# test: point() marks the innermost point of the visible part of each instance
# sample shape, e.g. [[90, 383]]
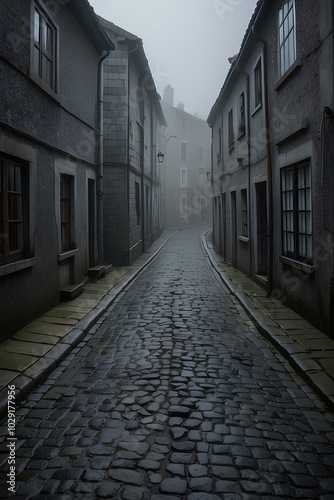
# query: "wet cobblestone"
[[173, 395]]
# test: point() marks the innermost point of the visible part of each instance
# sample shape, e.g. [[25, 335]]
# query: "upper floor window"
[[242, 119], [184, 152], [14, 213], [230, 129], [258, 84], [184, 177], [219, 154], [287, 35], [44, 48]]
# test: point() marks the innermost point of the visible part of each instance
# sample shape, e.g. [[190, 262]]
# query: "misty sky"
[[187, 42]]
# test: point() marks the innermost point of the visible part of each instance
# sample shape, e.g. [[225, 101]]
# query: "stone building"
[[49, 130], [272, 172], [133, 121], [187, 190]]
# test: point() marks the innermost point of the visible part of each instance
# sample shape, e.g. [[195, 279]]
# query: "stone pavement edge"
[[309, 351], [32, 353]]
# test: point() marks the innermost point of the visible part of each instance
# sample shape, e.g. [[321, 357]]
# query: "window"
[[287, 37], [137, 199], [230, 130], [200, 155], [184, 177], [242, 120], [297, 212], [184, 211], [14, 220], [258, 84], [184, 152], [140, 144], [244, 213], [219, 154], [66, 212], [44, 49]]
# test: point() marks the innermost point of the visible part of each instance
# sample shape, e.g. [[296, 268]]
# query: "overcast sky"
[[187, 42]]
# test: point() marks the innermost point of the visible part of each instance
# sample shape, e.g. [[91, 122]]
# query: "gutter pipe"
[[100, 231]]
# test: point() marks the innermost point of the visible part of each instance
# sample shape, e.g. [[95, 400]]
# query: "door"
[[234, 228], [261, 230], [91, 223]]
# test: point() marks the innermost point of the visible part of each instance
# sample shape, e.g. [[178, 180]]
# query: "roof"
[[85, 14], [258, 18], [137, 52]]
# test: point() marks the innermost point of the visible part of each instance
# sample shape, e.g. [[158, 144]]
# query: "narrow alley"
[[173, 395]]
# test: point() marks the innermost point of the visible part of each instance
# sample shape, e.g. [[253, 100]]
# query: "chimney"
[[169, 95], [180, 106]]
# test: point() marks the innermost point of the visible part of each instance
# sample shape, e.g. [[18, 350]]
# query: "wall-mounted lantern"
[[208, 176], [161, 157]]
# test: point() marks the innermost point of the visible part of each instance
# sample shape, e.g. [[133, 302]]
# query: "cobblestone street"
[[173, 395]]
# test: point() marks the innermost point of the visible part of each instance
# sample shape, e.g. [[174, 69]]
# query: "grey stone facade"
[[48, 124], [272, 208], [133, 121]]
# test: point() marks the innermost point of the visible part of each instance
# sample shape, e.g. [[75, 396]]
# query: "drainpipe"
[[269, 166], [100, 230]]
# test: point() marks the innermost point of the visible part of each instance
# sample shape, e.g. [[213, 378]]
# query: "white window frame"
[[287, 48], [184, 177]]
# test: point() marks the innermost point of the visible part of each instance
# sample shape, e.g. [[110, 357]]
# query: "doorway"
[[91, 223], [261, 229]]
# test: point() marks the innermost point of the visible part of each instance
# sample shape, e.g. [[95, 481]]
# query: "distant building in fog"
[[187, 189]]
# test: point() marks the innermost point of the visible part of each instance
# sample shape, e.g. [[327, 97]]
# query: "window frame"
[[8, 255], [230, 129], [244, 213], [39, 7], [258, 84], [184, 179], [286, 58], [297, 222], [220, 145], [69, 224], [242, 115]]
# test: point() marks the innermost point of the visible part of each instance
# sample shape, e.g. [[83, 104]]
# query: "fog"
[[187, 42]]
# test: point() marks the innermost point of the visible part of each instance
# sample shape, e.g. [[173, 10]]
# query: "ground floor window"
[[14, 211], [66, 211], [297, 212]]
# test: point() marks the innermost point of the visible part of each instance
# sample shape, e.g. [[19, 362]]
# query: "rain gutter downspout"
[[100, 231], [269, 165]]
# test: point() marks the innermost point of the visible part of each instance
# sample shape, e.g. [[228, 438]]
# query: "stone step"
[[97, 272], [70, 292]]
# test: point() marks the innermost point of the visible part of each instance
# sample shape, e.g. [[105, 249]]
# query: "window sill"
[[15, 267], [300, 266], [245, 239], [297, 64], [38, 81], [258, 107], [242, 133], [67, 255]]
